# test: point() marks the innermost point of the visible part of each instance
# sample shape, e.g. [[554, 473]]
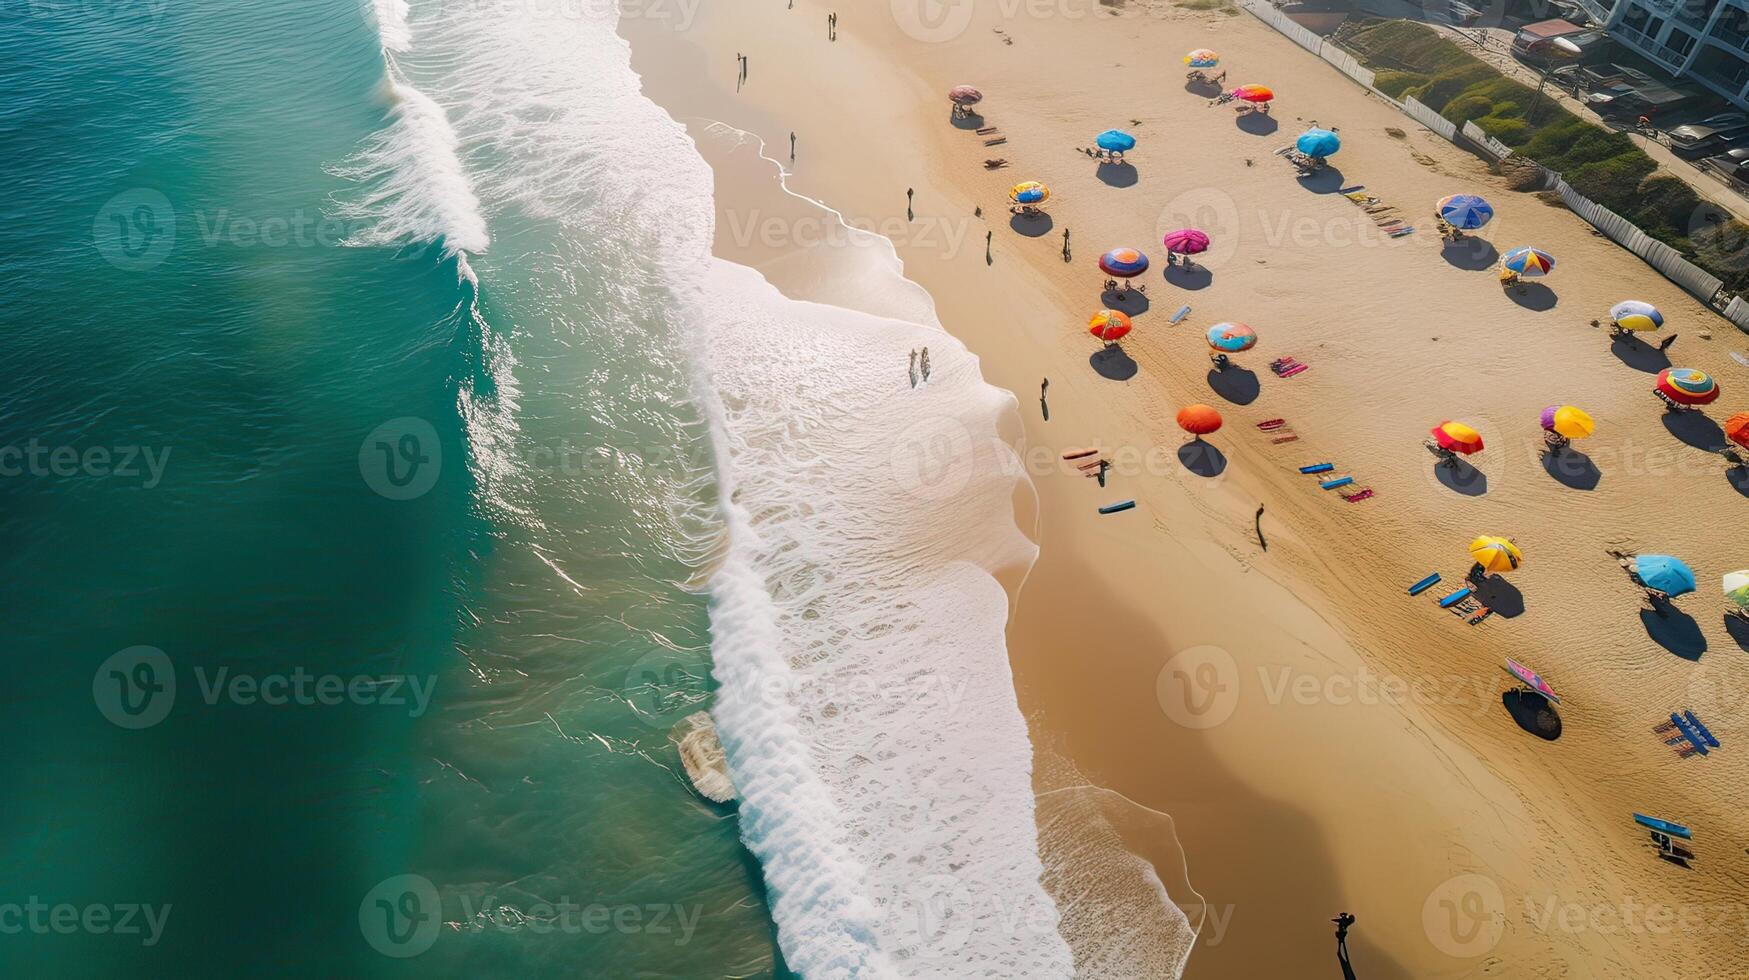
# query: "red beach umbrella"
[[1109, 325], [1198, 420], [1737, 429]]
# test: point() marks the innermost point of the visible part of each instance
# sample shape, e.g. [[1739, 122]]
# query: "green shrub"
[[1665, 205], [1395, 83], [1614, 182], [1509, 131], [1467, 107]]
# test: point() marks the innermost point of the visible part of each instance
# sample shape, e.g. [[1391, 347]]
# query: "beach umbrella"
[[1124, 263], [1496, 554], [1186, 241], [1202, 58], [1457, 437], [1466, 212], [1737, 429], [1115, 141], [1737, 588], [1253, 93], [1668, 575], [1631, 314], [1527, 261], [1317, 142], [1198, 420], [1687, 386], [1029, 192], [1565, 420], [1109, 325], [964, 95], [1232, 337]]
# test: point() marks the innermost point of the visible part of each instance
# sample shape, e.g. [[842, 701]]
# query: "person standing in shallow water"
[[913, 367], [924, 363]]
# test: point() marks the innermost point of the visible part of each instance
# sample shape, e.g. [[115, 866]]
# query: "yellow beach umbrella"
[[1495, 554], [1565, 420], [1029, 192]]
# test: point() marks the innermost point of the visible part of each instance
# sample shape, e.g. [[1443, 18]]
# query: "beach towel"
[[1425, 584], [1183, 311], [1114, 508], [1359, 495], [1318, 468], [1340, 481], [1455, 598], [1291, 371]]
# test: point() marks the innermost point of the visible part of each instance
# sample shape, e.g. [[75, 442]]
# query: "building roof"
[[1550, 28]]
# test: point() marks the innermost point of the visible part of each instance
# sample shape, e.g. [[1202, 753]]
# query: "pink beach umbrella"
[[1186, 241]]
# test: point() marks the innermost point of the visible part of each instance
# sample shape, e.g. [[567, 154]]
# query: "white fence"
[[1658, 255]]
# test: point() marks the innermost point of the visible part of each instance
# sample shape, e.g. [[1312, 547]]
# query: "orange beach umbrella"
[[1457, 437], [1198, 420]]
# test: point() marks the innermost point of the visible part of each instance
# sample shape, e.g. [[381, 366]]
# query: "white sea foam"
[[865, 705]]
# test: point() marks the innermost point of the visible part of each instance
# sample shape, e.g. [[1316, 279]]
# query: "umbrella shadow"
[[1738, 630], [1324, 180], [1235, 384], [1202, 458], [1675, 631], [1501, 596], [1572, 469], [1738, 478], [1204, 88], [1189, 277], [1118, 174], [1533, 296], [1112, 364], [1639, 356], [1695, 429], [1533, 713], [1131, 301], [970, 121], [1031, 224], [1470, 254], [1461, 477], [1257, 123]]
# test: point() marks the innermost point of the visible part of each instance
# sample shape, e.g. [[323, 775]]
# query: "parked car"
[[1733, 166], [1698, 139]]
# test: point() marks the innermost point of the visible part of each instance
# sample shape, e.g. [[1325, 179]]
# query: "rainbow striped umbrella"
[[1496, 554], [1029, 192], [1631, 314], [1668, 575], [1109, 325], [1124, 263], [1253, 93], [1232, 337], [1527, 261], [1688, 386], [1202, 58], [1457, 437], [1737, 588], [1115, 141], [1464, 211], [1186, 241], [1565, 420], [1317, 142]]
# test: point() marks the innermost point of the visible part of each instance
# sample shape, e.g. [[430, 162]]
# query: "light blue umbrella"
[[1115, 141], [1317, 142], [1668, 575], [1466, 212]]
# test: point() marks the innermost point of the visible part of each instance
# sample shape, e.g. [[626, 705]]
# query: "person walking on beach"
[[910, 193], [1044, 406], [792, 146], [924, 363], [913, 367], [1259, 522], [1065, 244], [1104, 466], [832, 26], [1343, 920]]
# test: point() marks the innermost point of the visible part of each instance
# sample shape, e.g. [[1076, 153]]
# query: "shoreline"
[[1267, 806]]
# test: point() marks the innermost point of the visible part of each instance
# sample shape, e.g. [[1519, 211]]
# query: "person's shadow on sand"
[[1533, 296], [1113, 364], [1675, 631], [1573, 469], [1189, 276], [1235, 384], [1033, 225], [1118, 174], [1461, 477], [1470, 254], [1202, 458], [1257, 123], [1639, 356], [1533, 713]]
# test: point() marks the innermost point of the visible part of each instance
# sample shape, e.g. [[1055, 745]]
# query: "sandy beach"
[[1322, 741]]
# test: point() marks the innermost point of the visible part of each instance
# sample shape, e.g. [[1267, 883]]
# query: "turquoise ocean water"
[[296, 414]]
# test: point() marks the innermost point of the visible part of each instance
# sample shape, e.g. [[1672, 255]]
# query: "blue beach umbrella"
[[1317, 142], [1115, 141], [1668, 575], [1466, 212]]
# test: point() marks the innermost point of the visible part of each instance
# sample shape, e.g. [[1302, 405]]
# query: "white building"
[[1703, 40]]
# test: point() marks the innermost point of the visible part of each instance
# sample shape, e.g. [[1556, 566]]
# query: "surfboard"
[[1114, 508], [1664, 826]]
